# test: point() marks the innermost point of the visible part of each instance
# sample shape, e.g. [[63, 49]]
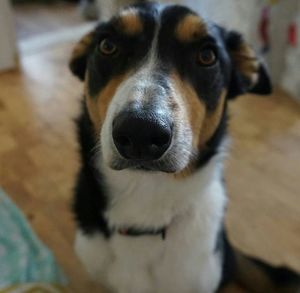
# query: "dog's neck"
[[154, 200]]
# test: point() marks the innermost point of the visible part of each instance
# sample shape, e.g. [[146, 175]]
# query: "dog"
[[150, 196]]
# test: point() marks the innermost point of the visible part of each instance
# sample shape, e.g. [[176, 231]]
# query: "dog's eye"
[[107, 47], [207, 57]]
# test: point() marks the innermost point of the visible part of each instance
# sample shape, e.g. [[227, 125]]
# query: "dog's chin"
[[119, 164]]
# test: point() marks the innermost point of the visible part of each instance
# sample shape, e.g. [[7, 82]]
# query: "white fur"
[[185, 262]]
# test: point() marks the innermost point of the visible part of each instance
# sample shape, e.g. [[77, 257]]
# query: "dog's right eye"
[[207, 57], [108, 47]]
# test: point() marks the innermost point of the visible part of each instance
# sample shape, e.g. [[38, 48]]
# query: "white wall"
[[8, 51]]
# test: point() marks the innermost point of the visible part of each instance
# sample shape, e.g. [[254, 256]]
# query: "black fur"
[[263, 85], [90, 199], [280, 276], [228, 259], [78, 65], [239, 84], [212, 146]]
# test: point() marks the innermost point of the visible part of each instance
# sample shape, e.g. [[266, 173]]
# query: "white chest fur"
[[185, 261]]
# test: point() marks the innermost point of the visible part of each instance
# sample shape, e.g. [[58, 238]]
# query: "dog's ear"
[[248, 74], [80, 54]]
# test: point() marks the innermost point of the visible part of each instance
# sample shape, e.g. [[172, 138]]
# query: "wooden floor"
[[39, 160]]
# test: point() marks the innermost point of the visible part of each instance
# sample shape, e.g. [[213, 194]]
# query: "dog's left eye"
[[108, 47], [207, 57]]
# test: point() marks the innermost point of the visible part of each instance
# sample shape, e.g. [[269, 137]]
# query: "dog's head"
[[157, 82]]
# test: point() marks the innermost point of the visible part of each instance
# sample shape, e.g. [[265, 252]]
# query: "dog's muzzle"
[[141, 136]]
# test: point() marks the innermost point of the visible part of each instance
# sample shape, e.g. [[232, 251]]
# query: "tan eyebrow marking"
[[129, 22], [98, 105], [190, 28]]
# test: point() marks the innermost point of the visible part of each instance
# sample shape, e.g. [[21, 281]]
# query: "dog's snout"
[[138, 136]]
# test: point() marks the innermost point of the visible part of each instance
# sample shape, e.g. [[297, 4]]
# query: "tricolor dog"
[[150, 197]]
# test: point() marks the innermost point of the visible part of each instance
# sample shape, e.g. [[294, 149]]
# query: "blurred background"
[[39, 99]]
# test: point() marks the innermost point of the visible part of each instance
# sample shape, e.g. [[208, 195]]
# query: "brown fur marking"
[[203, 123], [191, 28], [129, 22], [196, 108], [97, 106], [212, 121]]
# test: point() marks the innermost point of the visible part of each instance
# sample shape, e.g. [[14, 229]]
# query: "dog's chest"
[[155, 200], [185, 261]]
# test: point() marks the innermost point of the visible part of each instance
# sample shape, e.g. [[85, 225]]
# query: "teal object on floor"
[[23, 257]]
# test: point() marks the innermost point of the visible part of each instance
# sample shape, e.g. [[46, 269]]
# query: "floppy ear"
[[80, 54], [248, 74]]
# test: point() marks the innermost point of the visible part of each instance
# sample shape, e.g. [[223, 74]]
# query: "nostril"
[[123, 140], [161, 140]]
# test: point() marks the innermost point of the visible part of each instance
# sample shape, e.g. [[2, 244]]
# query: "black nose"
[[140, 136]]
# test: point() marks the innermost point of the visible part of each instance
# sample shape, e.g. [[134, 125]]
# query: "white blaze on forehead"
[[141, 80]]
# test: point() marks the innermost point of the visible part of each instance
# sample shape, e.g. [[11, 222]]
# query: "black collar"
[[133, 232]]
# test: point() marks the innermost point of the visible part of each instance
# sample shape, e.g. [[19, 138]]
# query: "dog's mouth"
[[141, 165]]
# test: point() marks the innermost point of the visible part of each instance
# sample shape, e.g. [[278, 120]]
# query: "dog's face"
[[157, 81]]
